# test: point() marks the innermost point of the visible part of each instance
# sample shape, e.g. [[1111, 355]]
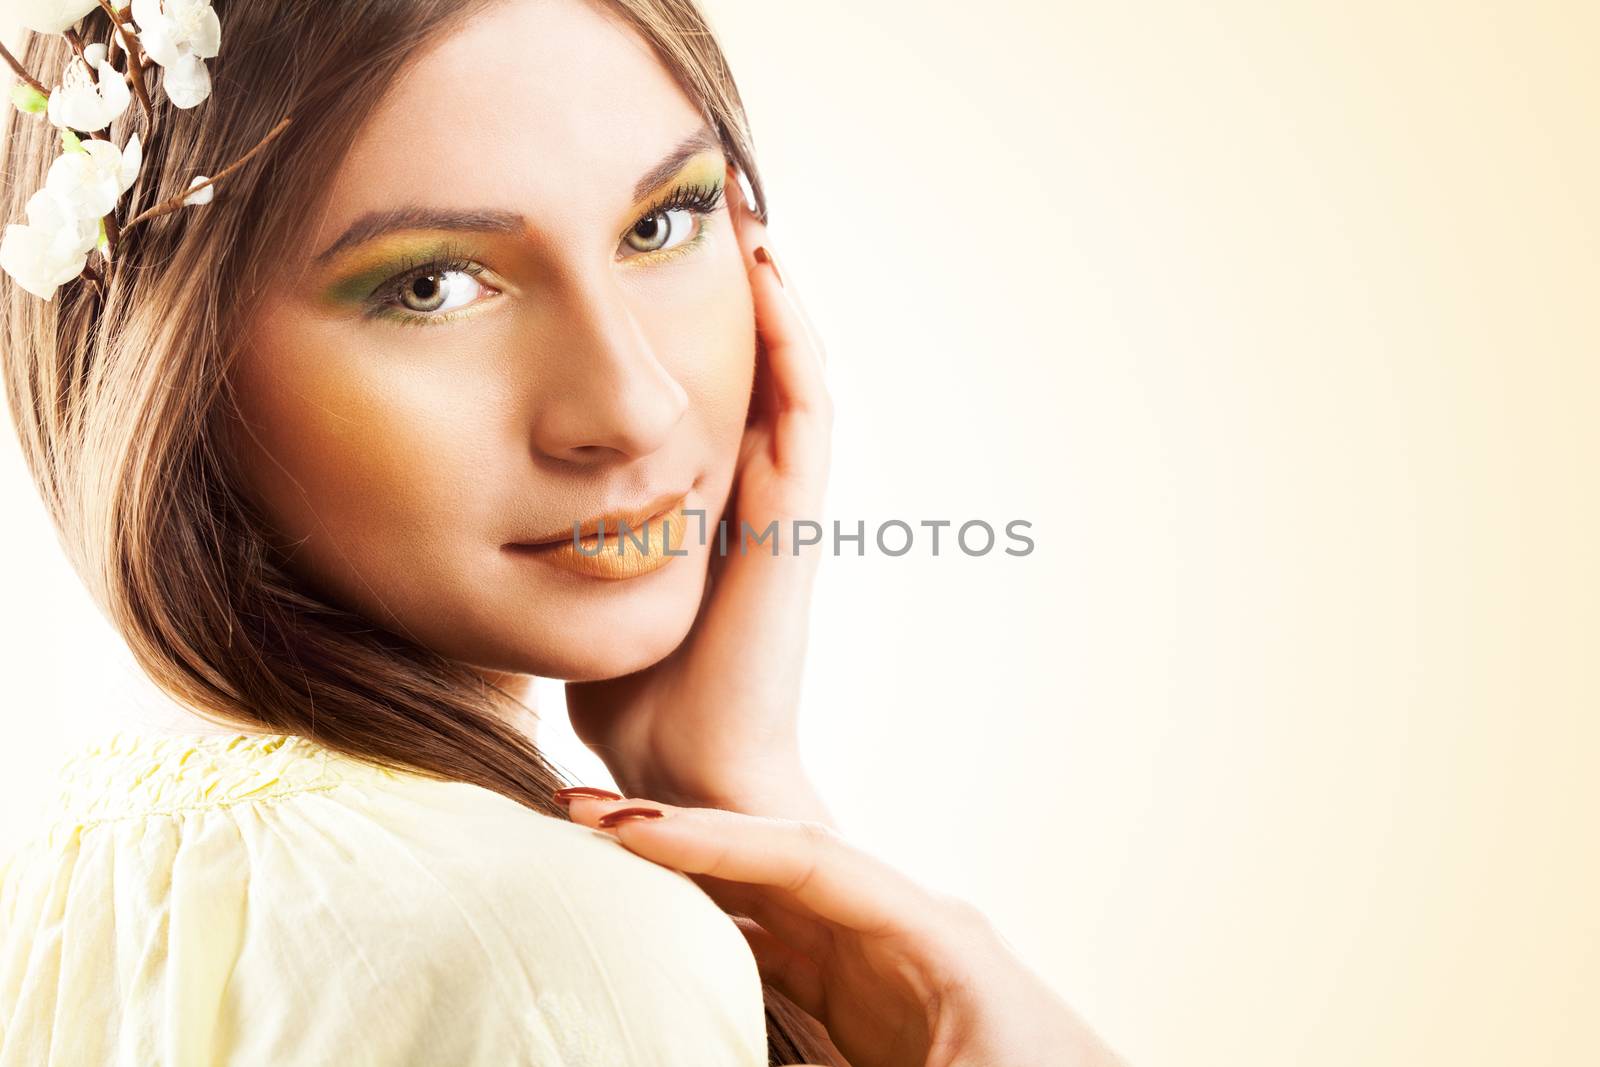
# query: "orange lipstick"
[[617, 546]]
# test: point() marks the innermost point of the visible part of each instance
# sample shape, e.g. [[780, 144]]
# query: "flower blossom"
[[51, 248], [49, 16], [204, 195], [91, 178], [180, 35], [79, 102]]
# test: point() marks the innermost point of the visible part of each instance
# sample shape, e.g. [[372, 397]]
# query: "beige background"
[[1279, 322]]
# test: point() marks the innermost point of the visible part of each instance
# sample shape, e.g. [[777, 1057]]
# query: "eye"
[[674, 224], [425, 293], [662, 230], [437, 290]]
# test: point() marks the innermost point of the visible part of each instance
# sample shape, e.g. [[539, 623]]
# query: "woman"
[[348, 546]]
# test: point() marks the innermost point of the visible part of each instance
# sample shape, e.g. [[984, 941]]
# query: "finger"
[[795, 976], [766, 254], [804, 933], [754, 234], [818, 868], [792, 393], [796, 379], [750, 231]]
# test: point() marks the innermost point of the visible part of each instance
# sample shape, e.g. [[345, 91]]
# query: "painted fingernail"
[[564, 795], [611, 818], [763, 256]]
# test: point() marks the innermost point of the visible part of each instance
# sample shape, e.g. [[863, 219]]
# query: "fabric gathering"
[[265, 900]]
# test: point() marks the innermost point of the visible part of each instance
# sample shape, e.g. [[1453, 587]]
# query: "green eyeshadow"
[[354, 289]]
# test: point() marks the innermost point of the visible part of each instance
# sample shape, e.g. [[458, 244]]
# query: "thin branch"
[[111, 236], [135, 60], [11, 60], [77, 46], [92, 276], [166, 207]]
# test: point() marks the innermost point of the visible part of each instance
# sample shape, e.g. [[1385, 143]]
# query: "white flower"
[[52, 248], [72, 234], [29, 255], [92, 180], [180, 35], [49, 16], [204, 195], [78, 103]]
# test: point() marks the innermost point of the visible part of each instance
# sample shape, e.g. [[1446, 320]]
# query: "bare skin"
[[417, 402], [900, 976], [573, 375]]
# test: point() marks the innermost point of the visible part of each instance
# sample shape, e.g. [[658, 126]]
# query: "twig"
[[166, 207], [92, 276], [11, 60], [77, 46], [135, 59], [111, 236]]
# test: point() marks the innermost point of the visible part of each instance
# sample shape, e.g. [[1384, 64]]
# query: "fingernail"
[[611, 818], [763, 256], [564, 795]]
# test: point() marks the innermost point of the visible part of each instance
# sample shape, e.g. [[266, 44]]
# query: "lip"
[[655, 538], [613, 520]]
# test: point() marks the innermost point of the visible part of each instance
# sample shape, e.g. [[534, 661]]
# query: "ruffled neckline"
[[131, 773]]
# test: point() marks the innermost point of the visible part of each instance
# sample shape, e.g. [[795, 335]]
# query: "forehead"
[[540, 106]]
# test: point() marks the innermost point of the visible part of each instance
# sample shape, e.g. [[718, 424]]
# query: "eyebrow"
[[485, 220]]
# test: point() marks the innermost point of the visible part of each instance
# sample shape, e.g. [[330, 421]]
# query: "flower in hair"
[[91, 176], [51, 249], [180, 35], [50, 16], [75, 213], [92, 92], [203, 194]]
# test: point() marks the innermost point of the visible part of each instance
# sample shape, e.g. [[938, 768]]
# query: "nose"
[[605, 395]]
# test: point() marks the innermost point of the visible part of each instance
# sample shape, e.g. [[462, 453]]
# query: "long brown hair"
[[117, 397]]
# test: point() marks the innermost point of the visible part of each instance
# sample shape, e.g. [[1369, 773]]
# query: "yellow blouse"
[[261, 899]]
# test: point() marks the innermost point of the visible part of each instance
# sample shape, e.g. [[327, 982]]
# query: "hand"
[[900, 976], [716, 722]]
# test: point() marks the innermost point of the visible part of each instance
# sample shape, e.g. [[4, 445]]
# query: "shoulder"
[[338, 894]]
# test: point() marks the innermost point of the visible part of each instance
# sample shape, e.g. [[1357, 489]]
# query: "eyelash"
[[701, 199], [384, 304]]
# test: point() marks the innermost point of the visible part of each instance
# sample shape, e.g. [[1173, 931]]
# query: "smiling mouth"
[[610, 523], [617, 546]]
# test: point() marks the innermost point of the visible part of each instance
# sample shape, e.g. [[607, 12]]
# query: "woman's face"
[[522, 308]]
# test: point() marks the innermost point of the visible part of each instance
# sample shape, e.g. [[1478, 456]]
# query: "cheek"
[[358, 459], [703, 331]]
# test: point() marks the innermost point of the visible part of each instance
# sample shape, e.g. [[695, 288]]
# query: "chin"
[[608, 664], [588, 629], [615, 652]]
